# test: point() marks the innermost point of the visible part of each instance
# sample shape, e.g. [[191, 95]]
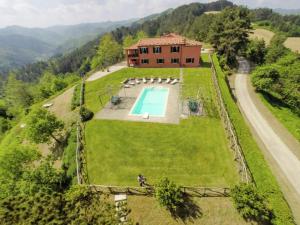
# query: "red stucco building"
[[169, 50]]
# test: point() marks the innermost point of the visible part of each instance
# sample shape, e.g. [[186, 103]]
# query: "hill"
[[20, 45], [287, 11]]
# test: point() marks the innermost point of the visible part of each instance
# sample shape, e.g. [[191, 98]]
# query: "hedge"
[[262, 175], [76, 96], [69, 156]]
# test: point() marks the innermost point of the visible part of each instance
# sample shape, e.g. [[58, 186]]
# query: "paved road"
[[113, 68], [283, 155]]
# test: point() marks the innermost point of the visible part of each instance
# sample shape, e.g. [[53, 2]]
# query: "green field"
[[284, 114], [195, 152]]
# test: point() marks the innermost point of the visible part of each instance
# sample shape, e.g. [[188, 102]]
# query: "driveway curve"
[[283, 155]]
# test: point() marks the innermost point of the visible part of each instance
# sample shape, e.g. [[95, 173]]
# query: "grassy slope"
[[289, 119], [119, 150], [264, 179]]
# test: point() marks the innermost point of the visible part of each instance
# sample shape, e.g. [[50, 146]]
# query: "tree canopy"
[[42, 125], [229, 33]]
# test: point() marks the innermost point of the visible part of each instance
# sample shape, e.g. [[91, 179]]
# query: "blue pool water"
[[152, 100]]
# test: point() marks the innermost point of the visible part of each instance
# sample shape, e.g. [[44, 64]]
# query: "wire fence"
[[244, 171]]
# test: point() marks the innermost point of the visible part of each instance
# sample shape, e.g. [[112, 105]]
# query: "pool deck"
[[130, 95]]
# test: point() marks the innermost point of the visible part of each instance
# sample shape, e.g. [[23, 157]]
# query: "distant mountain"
[[20, 45], [287, 11]]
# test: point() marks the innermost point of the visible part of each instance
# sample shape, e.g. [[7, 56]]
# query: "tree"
[[276, 50], [251, 204], [109, 52], [17, 95], [256, 51], [229, 33], [263, 78], [201, 27], [128, 41], [14, 162], [41, 125], [169, 194]]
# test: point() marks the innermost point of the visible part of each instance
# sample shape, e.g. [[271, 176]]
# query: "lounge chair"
[[126, 86], [146, 115], [168, 80], [144, 80], [159, 80], [151, 80], [131, 82], [137, 81], [175, 81]]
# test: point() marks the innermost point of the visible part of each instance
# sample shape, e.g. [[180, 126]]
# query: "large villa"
[[170, 50]]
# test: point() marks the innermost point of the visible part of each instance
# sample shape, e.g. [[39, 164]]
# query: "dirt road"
[[287, 168]]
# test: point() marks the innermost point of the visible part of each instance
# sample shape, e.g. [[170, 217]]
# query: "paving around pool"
[[146, 102]]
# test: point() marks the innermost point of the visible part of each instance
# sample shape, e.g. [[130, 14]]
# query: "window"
[[145, 61], [175, 48], [157, 49], [160, 61], [143, 50], [174, 60], [190, 60]]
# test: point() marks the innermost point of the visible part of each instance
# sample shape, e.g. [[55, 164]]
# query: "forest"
[[277, 74]]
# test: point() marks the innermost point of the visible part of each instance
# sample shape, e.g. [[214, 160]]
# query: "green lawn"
[[195, 152], [208, 211], [289, 119]]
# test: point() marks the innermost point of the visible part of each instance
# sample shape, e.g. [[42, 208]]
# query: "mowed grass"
[[293, 43], [193, 153], [208, 211], [284, 114], [264, 34], [97, 87]]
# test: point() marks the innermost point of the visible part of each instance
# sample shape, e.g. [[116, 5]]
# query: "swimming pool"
[[152, 100]]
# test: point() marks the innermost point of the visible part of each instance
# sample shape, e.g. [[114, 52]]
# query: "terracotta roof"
[[168, 39]]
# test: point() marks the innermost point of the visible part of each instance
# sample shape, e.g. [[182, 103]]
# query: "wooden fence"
[[150, 190], [234, 144]]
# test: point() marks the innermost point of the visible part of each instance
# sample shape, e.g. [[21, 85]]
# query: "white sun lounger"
[[175, 81], [131, 83], [159, 80], [151, 80], [137, 81], [126, 86], [146, 115], [168, 80], [144, 80]]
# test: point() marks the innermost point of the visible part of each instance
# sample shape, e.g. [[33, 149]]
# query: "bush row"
[[263, 177], [76, 96], [69, 157]]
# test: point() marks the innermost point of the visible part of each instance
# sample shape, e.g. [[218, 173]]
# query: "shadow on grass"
[[187, 211], [205, 64], [275, 102]]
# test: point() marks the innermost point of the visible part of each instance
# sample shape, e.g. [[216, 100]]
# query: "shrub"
[[76, 97], [69, 156], [193, 106], [86, 114], [169, 194], [250, 204]]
